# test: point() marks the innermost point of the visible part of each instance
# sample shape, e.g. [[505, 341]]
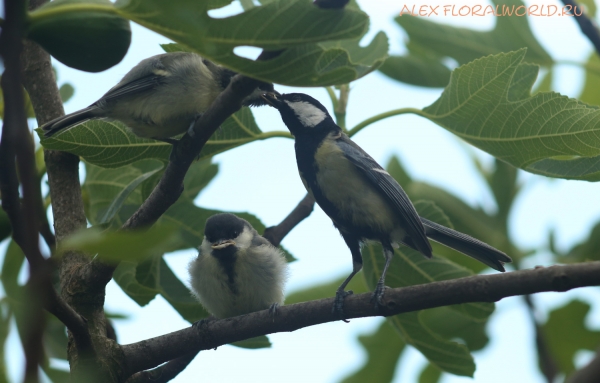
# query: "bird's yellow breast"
[[352, 194]]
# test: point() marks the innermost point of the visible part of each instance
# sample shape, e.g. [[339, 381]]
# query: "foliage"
[[487, 101]]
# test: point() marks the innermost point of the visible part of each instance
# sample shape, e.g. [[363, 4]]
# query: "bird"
[[363, 200], [237, 271], [160, 97]]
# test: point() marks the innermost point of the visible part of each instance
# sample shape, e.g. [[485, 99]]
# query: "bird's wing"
[[389, 188], [142, 84]]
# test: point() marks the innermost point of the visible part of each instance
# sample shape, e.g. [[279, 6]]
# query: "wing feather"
[[389, 188]]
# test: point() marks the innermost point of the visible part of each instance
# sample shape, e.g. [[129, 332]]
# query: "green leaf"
[[383, 349], [125, 276], [122, 245], [293, 24], [409, 267], [567, 333], [55, 338], [591, 83], [124, 194], [477, 106], [432, 212], [452, 325], [89, 37], [5, 228], [431, 42], [430, 374], [56, 375], [447, 356], [198, 177], [11, 267], [590, 6], [108, 144], [417, 70], [5, 317], [111, 144]]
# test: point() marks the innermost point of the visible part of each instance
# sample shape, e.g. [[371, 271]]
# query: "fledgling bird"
[[160, 97], [361, 198], [237, 271]]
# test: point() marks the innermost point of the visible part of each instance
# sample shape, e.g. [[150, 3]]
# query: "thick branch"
[[63, 176], [481, 288], [275, 234], [588, 26]]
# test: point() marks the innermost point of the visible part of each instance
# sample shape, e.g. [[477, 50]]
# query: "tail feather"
[[465, 244], [52, 127]]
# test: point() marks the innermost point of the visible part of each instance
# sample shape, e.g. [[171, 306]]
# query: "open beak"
[[271, 99], [223, 244]]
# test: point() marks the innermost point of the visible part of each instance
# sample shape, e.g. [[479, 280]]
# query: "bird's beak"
[[271, 99], [223, 244]]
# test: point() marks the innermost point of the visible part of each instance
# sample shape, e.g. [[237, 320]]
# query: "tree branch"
[[164, 373], [481, 288], [588, 26], [275, 234], [63, 176]]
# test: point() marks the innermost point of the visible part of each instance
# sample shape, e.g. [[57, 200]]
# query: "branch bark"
[[275, 234], [481, 288]]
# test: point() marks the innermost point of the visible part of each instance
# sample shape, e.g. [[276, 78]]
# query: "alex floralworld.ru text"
[[484, 10]]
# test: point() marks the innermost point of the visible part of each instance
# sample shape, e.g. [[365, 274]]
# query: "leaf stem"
[[382, 116], [332, 96]]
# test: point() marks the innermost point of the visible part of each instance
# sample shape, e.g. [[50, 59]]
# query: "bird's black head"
[[221, 230], [301, 113]]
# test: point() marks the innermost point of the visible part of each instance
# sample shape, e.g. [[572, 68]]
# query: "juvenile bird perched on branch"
[[362, 199], [160, 97], [237, 271]]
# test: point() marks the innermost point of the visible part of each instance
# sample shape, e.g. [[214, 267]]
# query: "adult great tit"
[[237, 271], [160, 97], [361, 198]]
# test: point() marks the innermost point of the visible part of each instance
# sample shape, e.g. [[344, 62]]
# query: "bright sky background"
[[266, 174]]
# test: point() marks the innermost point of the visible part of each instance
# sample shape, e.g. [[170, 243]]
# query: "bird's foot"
[[378, 295], [273, 309], [201, 324], [338, 303]]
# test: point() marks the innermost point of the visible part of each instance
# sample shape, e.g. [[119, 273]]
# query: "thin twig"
[[275, 234], [481, 288], [588, 26], [548, 365], [164, 373]]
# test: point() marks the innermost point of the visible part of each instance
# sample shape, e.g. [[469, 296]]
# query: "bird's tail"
[[467, 245], [52, 127]]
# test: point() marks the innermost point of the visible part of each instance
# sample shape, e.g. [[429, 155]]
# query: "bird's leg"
[[388, 253], [170, 141], [340, 294]]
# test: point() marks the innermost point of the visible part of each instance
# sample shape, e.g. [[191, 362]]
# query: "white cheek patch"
[[244, 240], [308, 114]]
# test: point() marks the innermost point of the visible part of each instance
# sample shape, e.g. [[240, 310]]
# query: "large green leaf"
[[409, 267], [431, 42], [296, 25], [5, 317], [567, 333], [487, 104], [111, 144], [448, 356], [383, 349]]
